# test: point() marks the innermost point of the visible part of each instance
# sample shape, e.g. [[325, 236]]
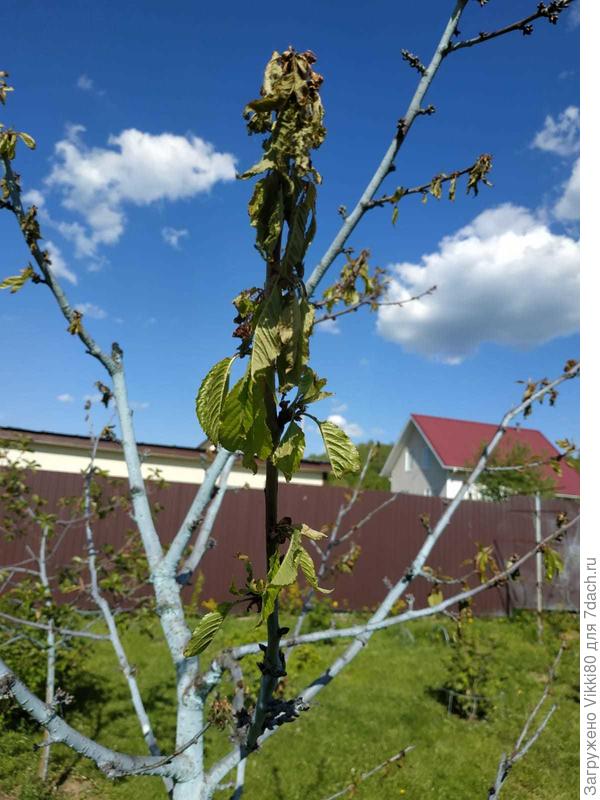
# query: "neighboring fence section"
[[389, 541]]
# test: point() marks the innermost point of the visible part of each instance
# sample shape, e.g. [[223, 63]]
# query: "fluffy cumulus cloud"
[[65, 398], [560, 135], [505, 278], [58, 265], [136, 168], [353, 430], [172, 236], [566, 209]]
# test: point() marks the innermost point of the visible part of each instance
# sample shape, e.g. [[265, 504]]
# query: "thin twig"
[[523, 745], [550, 11], [373, 303], [365, 775]]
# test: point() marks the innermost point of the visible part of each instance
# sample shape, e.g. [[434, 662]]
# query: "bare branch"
[[111, 762], [386, 165], [551, 12], [351, 788], [522, 745], [191, 563], [437, 180], [374, 303], [62, 631], [194, 514]]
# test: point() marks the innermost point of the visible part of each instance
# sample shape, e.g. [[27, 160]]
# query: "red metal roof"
[[458, 442]]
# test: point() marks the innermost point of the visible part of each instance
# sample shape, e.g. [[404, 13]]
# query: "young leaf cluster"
[[256, 416]]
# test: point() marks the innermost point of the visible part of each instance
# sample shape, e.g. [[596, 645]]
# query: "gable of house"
[[456, 445]]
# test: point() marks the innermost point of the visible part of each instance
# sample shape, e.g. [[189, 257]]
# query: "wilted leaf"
[[75, 324], [16, 282], [266, 343], [289, 454], [308, 568]]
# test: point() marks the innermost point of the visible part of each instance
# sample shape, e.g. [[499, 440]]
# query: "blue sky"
[[136, 109]]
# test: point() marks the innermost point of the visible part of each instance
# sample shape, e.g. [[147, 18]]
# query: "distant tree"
[[519, 471]]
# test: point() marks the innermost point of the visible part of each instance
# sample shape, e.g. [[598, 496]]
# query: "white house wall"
[[172, 469], [426, 476]]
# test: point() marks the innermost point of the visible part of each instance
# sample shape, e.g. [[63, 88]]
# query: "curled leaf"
[[16, 282]]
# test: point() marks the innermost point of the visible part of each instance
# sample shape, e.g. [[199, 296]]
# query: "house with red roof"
[[433, 454]]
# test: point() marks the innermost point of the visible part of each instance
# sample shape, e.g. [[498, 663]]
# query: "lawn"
[[385, 700]]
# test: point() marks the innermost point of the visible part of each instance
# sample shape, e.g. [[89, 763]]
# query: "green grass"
[[384, 701]]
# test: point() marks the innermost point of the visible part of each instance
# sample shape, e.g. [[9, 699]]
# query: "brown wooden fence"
[[389, 541]]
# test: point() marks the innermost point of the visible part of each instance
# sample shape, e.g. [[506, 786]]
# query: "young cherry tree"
[[260, 413]]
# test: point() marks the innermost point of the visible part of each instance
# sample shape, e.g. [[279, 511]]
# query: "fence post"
[[539, 566]]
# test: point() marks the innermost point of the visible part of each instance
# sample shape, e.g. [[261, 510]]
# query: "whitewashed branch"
[[200, 545], [523, 745], [387, 163], [111, 762]]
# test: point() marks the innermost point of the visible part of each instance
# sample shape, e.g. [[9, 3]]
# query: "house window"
[[426, 458], [407, 461]]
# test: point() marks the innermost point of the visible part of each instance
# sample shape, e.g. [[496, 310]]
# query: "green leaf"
[[206, 630], [259, 441], [308, 568], [27, 140], [553, 563], [268, 598], [16, 282], [236, 415], [287, 572], [266, 343], [289, 454], [435, 597], [210, 397], [395, 215], [310, 387], [342, 454]]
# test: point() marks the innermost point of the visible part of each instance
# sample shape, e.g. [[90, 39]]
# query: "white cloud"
[[34, 197], [329, 326], [560, 136], [85, 83], [65, 398], [139, 406], [58, 264], [339, 408], [136, 168], [505, 278], [91, 310], [566, 208], [351, 428], [172, 236]]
